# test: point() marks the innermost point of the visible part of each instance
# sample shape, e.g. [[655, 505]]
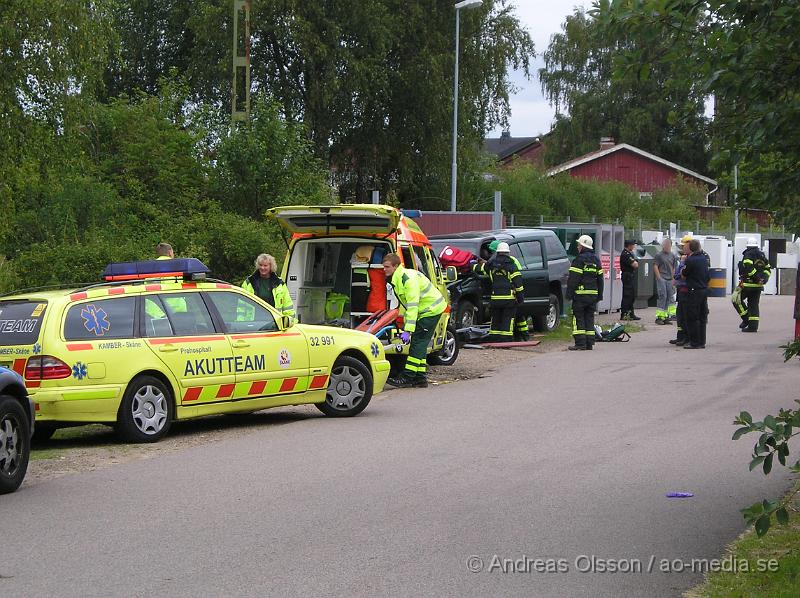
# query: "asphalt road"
[[563, 456]]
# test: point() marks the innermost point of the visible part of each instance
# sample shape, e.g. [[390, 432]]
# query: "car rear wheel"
[[145, 414], [448, 354], [549, 321], [349, 388], [15, 443]]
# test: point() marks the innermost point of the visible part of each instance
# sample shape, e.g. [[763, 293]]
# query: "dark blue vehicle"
[[16, 428]]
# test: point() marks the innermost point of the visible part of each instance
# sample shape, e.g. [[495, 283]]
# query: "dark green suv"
[[545, 269]]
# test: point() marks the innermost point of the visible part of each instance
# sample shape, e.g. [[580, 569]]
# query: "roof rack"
[[49, 287]]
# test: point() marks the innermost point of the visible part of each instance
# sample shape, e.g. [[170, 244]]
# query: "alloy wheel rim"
[[449, 346], [9, 445], [149, 410], [552, 317], [346, 388]]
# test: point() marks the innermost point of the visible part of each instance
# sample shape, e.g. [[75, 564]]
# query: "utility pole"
[[736, 198], [240, 93]]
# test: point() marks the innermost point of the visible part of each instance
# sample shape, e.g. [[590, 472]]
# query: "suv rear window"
[[20, 322], [532, 253], [555, 249]]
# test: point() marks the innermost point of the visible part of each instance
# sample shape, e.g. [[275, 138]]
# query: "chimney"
[[505, 134], [606, 142]]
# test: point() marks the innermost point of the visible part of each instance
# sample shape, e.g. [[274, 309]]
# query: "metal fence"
[[633, 229]]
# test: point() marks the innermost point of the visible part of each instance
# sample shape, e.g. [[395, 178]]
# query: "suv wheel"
[[549, 321], [145, 413], [465, 316], [15, 445], [448, 354], [349, 388]]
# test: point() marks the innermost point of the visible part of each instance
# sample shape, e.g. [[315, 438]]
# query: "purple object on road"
[[680, 494]]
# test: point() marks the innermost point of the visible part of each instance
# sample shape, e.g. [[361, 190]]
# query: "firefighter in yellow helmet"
[[421, 305]]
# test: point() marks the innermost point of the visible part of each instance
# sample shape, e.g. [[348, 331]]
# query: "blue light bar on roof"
[[184, 267], [411, 213]]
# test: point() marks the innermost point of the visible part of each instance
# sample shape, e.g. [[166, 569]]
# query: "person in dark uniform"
[[754, 272], [584, 289], [628, 264], [520, 319], [696, 274], [507, 291], [681, 294]]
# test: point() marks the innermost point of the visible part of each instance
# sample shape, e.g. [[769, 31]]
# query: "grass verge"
[[782, 543]]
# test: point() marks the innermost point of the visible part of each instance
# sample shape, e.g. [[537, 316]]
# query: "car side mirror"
[[286, 322], [452, 274]]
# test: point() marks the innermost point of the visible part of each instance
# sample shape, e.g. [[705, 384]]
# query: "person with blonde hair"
[[265, 284]]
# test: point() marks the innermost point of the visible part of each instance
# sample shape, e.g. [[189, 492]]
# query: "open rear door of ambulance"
[[354, 219]]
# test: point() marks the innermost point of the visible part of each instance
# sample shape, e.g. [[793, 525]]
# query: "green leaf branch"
[[773, 443]]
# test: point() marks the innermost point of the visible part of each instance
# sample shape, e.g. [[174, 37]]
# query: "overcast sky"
[[530, 113]]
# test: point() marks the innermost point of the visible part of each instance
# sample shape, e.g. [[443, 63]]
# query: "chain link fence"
[[633, 229]]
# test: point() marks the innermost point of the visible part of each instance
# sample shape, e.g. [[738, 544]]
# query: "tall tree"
[[51, 55], [652, 106], [745, 53], [371, 80]]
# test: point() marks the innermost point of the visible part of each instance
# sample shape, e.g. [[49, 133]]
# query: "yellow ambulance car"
[[157, 342]]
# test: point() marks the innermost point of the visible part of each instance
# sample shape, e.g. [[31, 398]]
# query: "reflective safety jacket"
[[585, 277], [272, 290], [754, 268], [417, 295], [504, 272]]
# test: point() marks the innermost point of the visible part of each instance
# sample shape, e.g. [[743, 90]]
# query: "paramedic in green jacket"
[[421, 305], [266, 285]]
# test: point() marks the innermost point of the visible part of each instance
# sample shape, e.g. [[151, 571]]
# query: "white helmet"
[[586, 241], [502, 247], [751, 242]]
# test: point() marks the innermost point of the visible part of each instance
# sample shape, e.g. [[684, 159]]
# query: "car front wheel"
[[15, 445], [448, 354], [349, 388], [145, 414]]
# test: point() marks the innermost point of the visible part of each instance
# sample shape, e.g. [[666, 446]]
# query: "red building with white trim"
[[643, 171]]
